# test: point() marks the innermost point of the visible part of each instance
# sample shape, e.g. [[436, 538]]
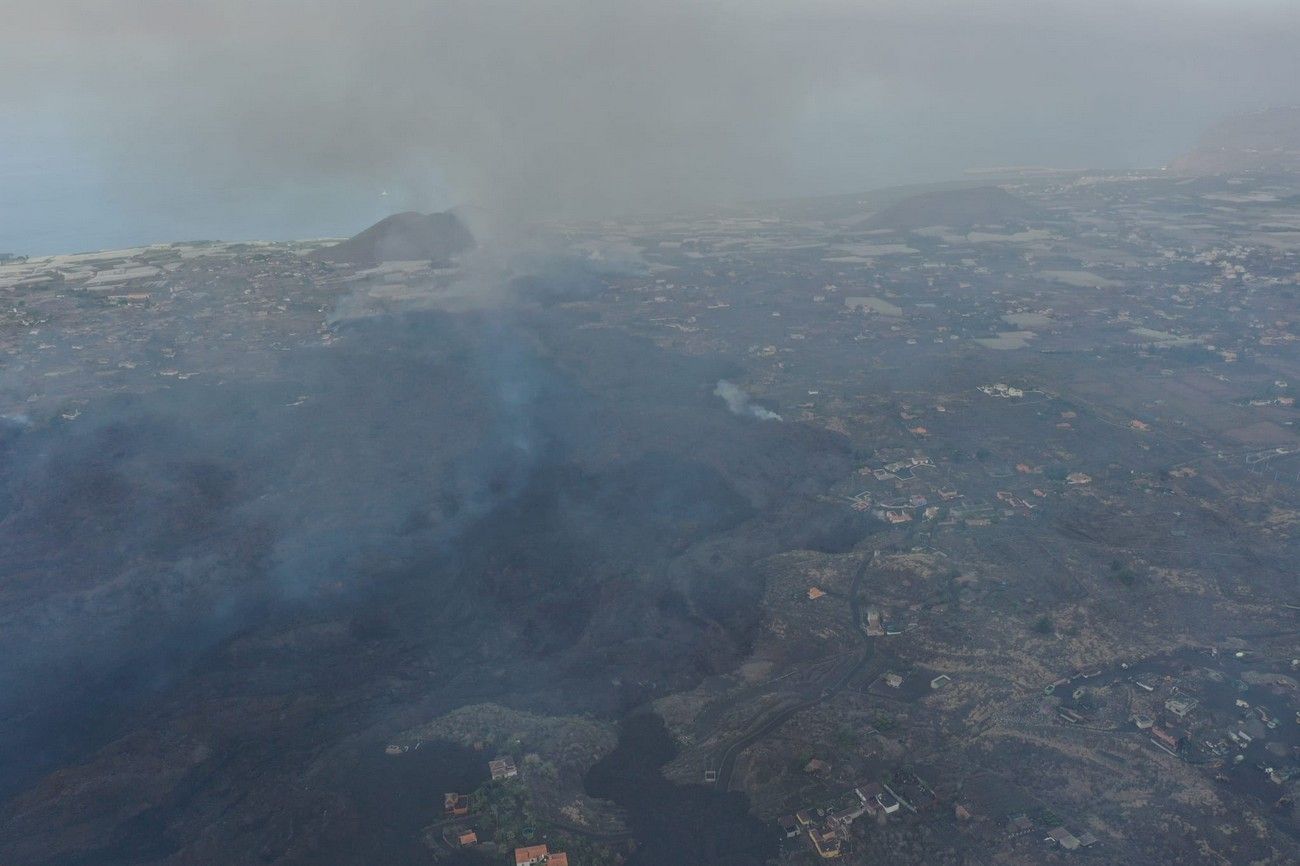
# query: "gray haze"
[[233, 117]]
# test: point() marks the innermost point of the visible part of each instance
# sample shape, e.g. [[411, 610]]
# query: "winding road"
[[835, 680]]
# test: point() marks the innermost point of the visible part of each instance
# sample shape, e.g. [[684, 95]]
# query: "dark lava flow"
[[679, 824]]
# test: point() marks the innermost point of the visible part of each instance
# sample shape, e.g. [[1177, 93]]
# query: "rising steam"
[[739, 403]]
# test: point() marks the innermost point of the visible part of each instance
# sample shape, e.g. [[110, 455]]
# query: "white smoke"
[[740, 404]]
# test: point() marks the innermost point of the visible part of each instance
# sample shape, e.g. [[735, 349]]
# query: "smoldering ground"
[[436, 509], [208, 587]]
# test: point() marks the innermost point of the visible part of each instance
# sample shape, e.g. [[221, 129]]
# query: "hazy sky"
[[127, 121]]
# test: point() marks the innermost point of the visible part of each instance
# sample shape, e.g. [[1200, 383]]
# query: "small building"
[[867, 793], [874, 628], [531, 855], [826, 844], [557, 858], [1019, 825], [940, 681], [893, 680], [467, 838], [1063, 837], [815, 593], [846, 816], [817, 765], [1165, 738], [789, 825], [503, 768], [888, 802]]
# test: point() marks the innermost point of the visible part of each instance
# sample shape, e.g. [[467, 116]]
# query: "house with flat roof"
[[843, 818], [503, 768], [826, 844], [1063, 837], [1019, 825], [1168, 739]]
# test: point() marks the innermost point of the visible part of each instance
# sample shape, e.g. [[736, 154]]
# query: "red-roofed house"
[[530, 855]]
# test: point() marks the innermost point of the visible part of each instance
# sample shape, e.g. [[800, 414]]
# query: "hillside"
[[1265, 141], [959, 208], [406, 236]]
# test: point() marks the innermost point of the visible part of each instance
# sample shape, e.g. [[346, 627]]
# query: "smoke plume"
[[738, 402]]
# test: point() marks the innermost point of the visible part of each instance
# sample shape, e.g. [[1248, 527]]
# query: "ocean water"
[[58, 195]]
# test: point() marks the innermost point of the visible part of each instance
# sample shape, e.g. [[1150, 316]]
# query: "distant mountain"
[[1265, 141], [407, 236], [958, 208]]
